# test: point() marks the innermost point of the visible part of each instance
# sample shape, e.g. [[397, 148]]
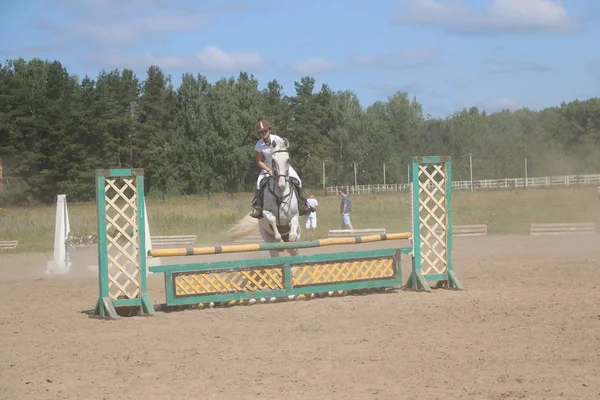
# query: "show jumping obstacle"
[[122, 252]]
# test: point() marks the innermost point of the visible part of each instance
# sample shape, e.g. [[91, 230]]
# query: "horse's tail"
[[244, 227]]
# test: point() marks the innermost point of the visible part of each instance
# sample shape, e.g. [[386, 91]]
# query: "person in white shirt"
[[311, 219], [263, 160]]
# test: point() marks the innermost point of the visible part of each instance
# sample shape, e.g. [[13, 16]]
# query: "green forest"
[[57, 128]]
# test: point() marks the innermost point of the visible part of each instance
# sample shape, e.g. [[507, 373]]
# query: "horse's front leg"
[[273, 222], [295, 228]]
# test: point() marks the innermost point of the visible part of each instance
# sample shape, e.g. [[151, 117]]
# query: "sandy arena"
[[527, 327]]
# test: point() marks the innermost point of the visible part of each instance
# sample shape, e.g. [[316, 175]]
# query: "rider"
[[263, 160]]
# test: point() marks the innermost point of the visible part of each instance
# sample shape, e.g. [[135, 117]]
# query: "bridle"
[[276, 170], [279, 200]]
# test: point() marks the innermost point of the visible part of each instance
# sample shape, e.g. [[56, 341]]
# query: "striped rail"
[[180, 240], [333, 233], [467, 230], [9, 244], [562, 228], [241, 248]]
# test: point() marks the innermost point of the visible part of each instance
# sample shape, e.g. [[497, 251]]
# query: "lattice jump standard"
[[121, 244], [431, 208]]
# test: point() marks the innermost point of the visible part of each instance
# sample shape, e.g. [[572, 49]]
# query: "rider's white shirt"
[[261, 147]]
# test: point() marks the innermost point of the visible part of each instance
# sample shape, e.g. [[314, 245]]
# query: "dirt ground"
[[527, 327]]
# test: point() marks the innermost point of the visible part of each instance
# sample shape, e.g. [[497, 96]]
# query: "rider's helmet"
[[262, 125]]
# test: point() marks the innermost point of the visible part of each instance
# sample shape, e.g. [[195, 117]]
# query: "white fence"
[[9, 244], [532, 182]]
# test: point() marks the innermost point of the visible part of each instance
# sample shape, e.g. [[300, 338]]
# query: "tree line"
[[56, 130]]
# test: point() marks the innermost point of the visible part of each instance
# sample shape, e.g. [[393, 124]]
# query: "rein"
[[273, 179]]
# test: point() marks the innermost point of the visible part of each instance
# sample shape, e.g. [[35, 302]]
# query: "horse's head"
[[281, 162]]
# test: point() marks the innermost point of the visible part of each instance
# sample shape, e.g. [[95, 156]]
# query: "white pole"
[[355, 185], [323, 176], [384, 174], [525, 171], [150, 261], [471, 169], [61, 263]]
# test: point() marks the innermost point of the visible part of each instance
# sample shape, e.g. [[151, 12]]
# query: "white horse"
[[281, 219]]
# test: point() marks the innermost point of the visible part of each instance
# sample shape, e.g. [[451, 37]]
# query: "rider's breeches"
[[293, 174]]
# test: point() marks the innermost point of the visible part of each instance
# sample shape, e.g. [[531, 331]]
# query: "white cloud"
[[501, 16], [114, 6], [216, 59], [210, 59], [132, 22], [36, 49], [119, 7], [314, 66], [396, 60], [129, 32]]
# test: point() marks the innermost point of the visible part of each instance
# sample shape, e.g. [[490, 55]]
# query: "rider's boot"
[[303, 207], [256, 205]]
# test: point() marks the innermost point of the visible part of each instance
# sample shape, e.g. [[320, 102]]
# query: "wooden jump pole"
[[240, 248]]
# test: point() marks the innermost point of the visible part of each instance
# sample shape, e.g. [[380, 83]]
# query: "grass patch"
[[511, 211], [504, 211]]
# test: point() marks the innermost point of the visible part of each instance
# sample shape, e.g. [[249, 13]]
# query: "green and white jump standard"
[[122, 253], [431, 209], [121, 242]]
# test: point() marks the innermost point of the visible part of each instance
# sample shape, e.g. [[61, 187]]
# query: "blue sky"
[[449, 54]]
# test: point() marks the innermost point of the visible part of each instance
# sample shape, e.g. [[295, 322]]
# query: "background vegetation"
[[194, 139], [505, 211], [195, 144]]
